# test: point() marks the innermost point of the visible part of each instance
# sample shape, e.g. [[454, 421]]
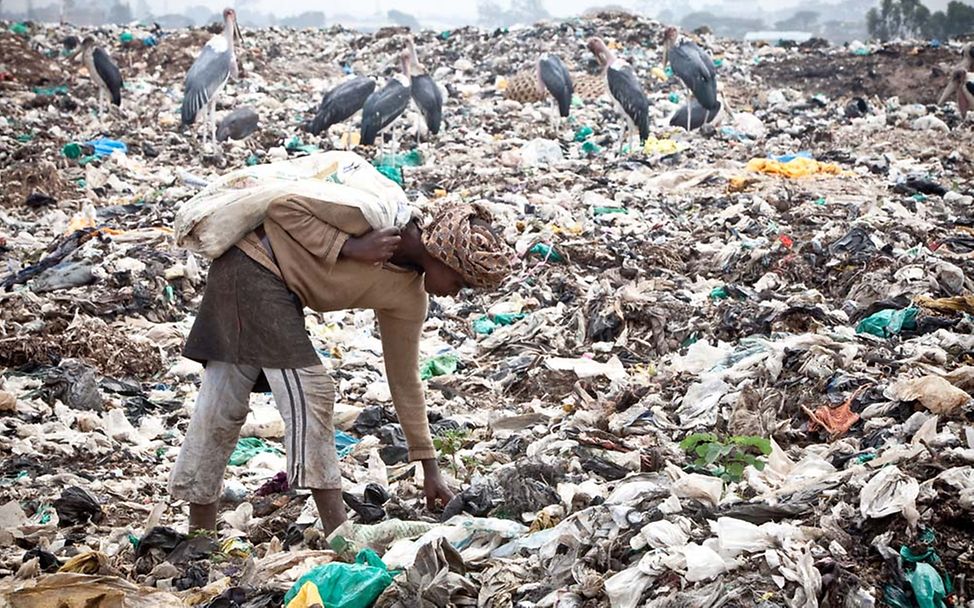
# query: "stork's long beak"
[[74, 54], [948, 92], [236, 32], [666, 54]]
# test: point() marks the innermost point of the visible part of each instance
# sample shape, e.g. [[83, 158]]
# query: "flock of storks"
[[217, 62]]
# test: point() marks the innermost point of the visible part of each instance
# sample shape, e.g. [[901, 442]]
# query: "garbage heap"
[[733, 367]]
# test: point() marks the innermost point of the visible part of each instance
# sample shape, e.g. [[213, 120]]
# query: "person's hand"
[[375, 247], [438, 494]]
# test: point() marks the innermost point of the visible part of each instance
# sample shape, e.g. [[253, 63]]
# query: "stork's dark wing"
[[381, 108], [109, 73], [429, 99], [205, 77], [558, 81], [970, 86], [238, 124], [695, 68], [626, 89], [341, 102]]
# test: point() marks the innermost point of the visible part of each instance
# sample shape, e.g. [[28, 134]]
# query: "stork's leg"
[[213, 123], [689, 109]]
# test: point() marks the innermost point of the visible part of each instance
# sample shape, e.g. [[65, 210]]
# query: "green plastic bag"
[[583, 133], [886, 323], [247, 448], [487, 325], [440, 365], [546, 252], [927, 585], [347, 585]]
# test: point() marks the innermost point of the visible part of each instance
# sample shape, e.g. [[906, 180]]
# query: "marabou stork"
[[425, 92], [553, 77], [962, 85], [384, 106], [102, 71], [625, 88], [216, 63], [340, 103], [694, 67]]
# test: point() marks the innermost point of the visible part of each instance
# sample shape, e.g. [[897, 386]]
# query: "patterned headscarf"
[[482, 259]]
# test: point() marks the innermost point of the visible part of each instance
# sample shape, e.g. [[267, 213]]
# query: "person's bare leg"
[[331, 508], [203, 517]]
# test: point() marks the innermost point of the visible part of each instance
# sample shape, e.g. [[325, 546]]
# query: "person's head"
[[457, 248]]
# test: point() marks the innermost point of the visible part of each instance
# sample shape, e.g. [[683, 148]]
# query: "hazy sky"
[[466, 9]]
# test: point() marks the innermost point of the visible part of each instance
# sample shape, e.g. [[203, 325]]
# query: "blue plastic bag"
[[104, 146]]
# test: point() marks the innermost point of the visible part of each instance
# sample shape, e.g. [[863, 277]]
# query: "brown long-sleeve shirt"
[[306, 237]]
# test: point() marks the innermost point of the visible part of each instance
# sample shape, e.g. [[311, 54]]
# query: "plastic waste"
[[440, 365], [77, 506], [104, 146], [890, 491], [248, 447], [933, 392], [928, 587], [341, 585], [889, 322]]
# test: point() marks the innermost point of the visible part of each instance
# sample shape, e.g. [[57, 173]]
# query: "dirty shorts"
[[305, 398]]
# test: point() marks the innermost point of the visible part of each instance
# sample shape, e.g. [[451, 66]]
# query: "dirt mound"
[[24, 179], [25, 65], [915, 75], [176, 52]]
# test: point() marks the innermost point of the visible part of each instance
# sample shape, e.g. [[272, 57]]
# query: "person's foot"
[[202, 517], [331, 509]]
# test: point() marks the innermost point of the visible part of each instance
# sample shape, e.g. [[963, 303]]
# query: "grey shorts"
[[306, 399]]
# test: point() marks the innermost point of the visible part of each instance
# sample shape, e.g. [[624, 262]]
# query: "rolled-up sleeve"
[[400, 346]]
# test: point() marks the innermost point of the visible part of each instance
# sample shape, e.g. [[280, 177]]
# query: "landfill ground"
[[717, 378]]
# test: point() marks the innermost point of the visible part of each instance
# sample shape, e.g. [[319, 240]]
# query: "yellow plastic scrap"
[[90, 562], [947, 305], [661, 147], [795, 168], [307, 597], [659, 74], [739, 184], [501, 83]]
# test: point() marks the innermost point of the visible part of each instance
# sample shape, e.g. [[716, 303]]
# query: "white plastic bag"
[[890, 491], [214, 220]]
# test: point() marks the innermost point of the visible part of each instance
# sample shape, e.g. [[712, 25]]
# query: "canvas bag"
[[231, 206]]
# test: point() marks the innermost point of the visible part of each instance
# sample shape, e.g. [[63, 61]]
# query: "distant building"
[[775, 37]]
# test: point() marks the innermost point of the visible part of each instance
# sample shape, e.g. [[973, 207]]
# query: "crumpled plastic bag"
[[342, 585], [625, 589], [890, 491], [703, 563], [933, 392], [889, 322], [77, 506], [927, 585], [794, 168]]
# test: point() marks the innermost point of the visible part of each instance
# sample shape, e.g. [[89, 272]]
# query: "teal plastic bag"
[[247, 448], [927, 585], [886, 323], [347, 585], [440, 365]]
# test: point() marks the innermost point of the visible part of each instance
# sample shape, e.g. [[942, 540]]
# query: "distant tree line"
[[912, 19], [491, 14]]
